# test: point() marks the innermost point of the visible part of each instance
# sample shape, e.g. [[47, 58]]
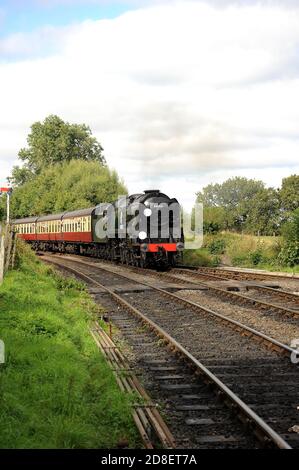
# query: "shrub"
[[217, 247], [289, 254], [256, 257]]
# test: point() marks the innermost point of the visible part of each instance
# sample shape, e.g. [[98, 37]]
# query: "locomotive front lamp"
[[142, 235], [147, 212]]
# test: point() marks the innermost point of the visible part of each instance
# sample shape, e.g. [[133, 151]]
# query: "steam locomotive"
[[139, 230]]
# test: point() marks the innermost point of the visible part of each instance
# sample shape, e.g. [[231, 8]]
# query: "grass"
[[234, 249], [56, 390]]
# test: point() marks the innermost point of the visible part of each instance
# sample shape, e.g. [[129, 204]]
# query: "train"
[[141, 230]]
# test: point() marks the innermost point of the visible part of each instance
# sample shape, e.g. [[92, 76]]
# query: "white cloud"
[[179, 95]]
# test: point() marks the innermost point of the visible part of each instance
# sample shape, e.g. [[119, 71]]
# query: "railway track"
[[279, 301], [221, 273], [254, 379]]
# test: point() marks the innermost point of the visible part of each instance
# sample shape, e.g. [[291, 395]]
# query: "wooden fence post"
[[14, 249], [7, 250]]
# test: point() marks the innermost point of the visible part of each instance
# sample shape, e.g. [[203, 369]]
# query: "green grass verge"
[[56, 390], [238, 250]]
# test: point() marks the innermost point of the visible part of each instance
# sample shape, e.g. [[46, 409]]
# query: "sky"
[[179, 93]]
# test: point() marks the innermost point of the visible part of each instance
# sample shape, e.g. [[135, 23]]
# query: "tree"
[[289, 193], [68, 186], [214, 219], [264, 216], [54, 141], [231, 193], [234, 196]]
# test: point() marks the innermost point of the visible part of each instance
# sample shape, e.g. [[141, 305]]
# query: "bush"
[[217, 247], [289, 254], [256, 257]]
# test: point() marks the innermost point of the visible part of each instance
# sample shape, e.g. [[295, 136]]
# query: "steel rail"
[[244, 274], [261, 429], [278, 293], [242, 298], [267, 340]]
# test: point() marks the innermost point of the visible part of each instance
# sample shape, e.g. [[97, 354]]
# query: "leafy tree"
[[289, 193], [231, 193], [234, 196], [264, 216], [67, 186], [214, 219], [55, 141]]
